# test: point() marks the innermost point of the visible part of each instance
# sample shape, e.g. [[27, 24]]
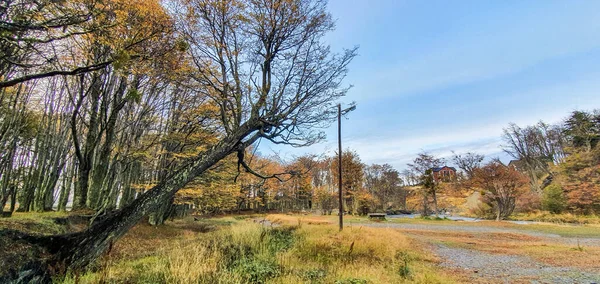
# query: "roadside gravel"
[[483, 267], [509, 268]]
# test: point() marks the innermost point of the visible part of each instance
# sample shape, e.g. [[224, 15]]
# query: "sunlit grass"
[[310, 249], [239, 250], [371, 254]]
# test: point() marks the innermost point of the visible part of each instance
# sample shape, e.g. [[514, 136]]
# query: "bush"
[[258, 270], [279, 239], [404, 259], [314, 275], [554, 199]]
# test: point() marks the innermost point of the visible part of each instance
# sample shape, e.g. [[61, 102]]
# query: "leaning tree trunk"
[[77, 250]]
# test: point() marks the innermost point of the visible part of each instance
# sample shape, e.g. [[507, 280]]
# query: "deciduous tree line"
[[303, 184], [554, 168], [122, 104], [562, 161], [92, 104]]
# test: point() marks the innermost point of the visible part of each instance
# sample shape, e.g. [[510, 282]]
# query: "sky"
[[442, 76]]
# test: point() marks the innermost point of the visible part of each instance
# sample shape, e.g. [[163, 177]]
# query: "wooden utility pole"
[[340, 191], [341, 196]]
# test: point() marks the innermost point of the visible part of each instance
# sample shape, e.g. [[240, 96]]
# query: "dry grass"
[[303, 250], [291, 219], [308, 249], [145, 240], [565, 255], [545, 250], [298, 220], [375, 255]]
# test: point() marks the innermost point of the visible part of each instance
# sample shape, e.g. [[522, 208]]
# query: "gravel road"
[[509, 268], [485, 229], [499, 268]]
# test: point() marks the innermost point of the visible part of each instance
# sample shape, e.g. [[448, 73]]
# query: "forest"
[[143, 111]]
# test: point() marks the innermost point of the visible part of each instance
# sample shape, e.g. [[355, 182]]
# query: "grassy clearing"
[[565, 255], [547, 250], [234, 250], [308, 249], [369, 254], [299, 220]]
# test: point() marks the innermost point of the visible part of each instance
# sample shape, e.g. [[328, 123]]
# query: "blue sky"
[[438, 76]]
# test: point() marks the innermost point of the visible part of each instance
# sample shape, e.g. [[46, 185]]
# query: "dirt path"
[[478, 266]]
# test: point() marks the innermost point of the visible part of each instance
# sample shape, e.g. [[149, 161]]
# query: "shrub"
[[554, 199], [279, 239], [314, 275], [256, 270], [404, 259]]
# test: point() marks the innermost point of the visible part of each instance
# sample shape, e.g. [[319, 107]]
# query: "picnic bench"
[[377, 216]]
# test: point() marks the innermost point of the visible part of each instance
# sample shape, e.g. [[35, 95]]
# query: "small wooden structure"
[[377, 216]]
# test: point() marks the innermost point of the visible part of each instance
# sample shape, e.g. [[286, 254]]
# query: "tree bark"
[[498, 210], [86, 158], [99, 174]]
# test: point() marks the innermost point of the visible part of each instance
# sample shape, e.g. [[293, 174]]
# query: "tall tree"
[[536, 148], [384, 182], [583, 129], [423, 166], [578, 173], [99, 96], [352, 177], [264, 65]]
